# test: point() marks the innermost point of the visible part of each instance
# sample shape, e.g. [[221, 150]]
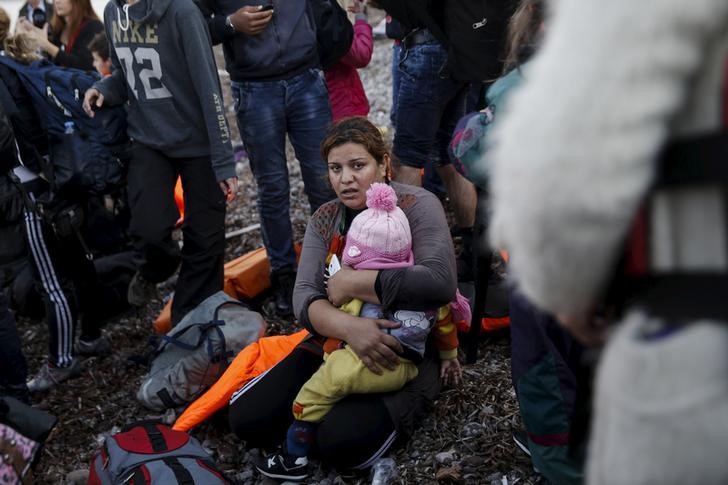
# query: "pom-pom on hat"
[[380, 236]]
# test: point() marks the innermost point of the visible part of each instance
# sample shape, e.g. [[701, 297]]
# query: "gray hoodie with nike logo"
[[165, 71]]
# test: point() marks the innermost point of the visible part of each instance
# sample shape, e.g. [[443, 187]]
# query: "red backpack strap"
[[636, 258]]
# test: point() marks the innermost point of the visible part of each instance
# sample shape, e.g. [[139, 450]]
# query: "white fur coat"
[[575, 149], [573, 159]]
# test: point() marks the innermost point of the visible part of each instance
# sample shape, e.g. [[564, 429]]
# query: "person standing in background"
[[279, 90], [64, 276], [39, 12], [164, 69], [66, 36], [346, 92]]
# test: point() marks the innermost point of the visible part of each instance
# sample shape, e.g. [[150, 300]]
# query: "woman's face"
[[63, 8], [352, 169]]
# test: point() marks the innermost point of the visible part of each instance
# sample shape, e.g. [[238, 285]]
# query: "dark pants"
[[64, 275], [544, 362], [358, 429], [152, 177], [13, 367], [428, 106], [267, 111]]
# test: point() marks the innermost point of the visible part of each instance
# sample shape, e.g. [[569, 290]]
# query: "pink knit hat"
[[379, 237]]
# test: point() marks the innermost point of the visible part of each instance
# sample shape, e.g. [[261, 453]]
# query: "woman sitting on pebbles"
[[362, 427]]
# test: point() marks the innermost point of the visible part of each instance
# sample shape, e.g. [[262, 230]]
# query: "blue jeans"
[[428, 106], [396, 53], [431, 180], [266, 111]]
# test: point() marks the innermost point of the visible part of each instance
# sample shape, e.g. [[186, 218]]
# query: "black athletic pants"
[[152, 177], [65, 277], [358, 429], [13, 366]]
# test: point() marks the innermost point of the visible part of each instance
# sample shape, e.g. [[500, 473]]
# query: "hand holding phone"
[[251, 19]]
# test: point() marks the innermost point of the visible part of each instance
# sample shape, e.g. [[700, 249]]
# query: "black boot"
[[466, 258], [283, 282]]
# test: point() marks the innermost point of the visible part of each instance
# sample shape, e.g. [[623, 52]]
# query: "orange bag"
[[244, 278], [252, 361]]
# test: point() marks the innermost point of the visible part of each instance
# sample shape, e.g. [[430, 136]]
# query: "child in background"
[[99, 47], [379, 238], [346, 92]]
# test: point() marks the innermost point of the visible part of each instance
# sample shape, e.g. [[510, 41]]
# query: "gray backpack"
[[153, 454], [196, 352]]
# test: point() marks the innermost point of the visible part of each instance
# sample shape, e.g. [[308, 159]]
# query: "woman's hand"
[[337, 289], [347, 284], [450, 372], [375, 348], [39, 36]]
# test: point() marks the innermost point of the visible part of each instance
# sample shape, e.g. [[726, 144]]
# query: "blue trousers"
[[267, 111], [428, 106]]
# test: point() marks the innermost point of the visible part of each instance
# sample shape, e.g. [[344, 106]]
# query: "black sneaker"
[[140, 290], [283, 283], [284, 467], [98, 346]]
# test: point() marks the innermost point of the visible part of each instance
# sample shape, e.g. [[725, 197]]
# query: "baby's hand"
[[450, 372]]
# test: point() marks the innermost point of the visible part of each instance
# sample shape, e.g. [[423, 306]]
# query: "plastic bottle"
[[70, 127], [384, 471]]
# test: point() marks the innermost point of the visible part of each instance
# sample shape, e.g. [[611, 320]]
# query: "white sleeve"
[[574, 153]]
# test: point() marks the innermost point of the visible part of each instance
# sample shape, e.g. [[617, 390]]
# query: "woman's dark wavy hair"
[[359, 130]]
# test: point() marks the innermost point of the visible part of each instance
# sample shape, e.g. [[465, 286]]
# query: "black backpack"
[[472, 31], [334, 32], [476, 32], [86, 154]]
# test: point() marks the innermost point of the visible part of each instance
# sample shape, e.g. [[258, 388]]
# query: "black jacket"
[[12, 241], [7, 143], [78, 55], [284, 49], [472, 31]]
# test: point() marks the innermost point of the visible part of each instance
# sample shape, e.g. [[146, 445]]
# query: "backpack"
[[152, 453], [18, 106], [195, 353], [86, 154], [334, 32], [476, 34], [472, 31]]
